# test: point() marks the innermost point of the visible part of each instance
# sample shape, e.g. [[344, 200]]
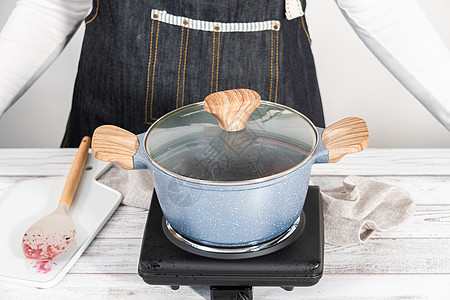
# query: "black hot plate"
[[300, 263]]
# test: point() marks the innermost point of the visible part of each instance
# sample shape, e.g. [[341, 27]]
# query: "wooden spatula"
[[52, 235]]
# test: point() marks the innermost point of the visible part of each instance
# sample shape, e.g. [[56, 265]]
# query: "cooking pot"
[[232, 171]]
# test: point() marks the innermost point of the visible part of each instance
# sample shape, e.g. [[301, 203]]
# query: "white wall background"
[[352, 83]]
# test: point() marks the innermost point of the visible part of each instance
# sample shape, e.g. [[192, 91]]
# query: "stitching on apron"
[[304, 27], [210, 26], [215, 58], [153, 72], [271, 65], [217, 69], [212, 61], [148, 72], [272, 56], [179, 64], [184, 70], [276, 76], [96, 13]]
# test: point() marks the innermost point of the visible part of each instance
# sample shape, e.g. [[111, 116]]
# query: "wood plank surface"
[[394, 162], [374, 162], [411, 261], [426, 190], [342, 286], [376, 256], [429, 221], [36, 162]]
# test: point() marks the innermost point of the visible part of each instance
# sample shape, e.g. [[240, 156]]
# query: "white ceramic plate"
[[31, 200]]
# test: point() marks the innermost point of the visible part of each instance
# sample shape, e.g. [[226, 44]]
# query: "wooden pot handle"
[[114, 144], [70, 187], [232, 108], [349, 135]]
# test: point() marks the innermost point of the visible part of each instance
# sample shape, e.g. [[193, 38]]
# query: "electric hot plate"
[[296, 260]]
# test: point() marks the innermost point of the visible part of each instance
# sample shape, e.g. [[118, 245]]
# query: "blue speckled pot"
[[232, 215]]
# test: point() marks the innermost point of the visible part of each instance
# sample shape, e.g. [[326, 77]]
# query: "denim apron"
[[143, 58]]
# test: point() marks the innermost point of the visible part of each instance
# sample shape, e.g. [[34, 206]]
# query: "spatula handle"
[[75, 172]]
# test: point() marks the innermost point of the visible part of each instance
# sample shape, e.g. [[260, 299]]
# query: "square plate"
[[93, 205]]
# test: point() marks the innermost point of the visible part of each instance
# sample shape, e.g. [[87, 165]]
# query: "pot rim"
[[239, 182]]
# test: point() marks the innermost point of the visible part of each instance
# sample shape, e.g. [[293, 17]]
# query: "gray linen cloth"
[[136, 186], [352, 213]]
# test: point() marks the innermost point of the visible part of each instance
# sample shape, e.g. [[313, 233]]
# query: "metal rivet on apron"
[[275, 27], [216, 27], [155, 16], [185, 22]]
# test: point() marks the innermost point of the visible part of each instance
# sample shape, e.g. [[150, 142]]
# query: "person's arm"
[[34, 35], [403, 39]]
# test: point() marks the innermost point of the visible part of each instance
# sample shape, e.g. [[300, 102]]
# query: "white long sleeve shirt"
[[397, 32], [34, 35]]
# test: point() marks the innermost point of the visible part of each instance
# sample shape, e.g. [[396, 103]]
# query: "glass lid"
[[190, 144]]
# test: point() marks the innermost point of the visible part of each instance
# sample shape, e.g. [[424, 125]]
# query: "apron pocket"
[[189, 59]]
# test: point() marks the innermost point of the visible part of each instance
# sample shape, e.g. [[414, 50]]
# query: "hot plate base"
[[298, 264]]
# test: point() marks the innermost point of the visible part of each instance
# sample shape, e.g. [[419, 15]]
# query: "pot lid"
[[190, 143]]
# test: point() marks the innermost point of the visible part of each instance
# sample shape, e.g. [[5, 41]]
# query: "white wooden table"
[[410, 262]]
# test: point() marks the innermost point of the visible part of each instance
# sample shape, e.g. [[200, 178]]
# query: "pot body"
[[232, 215]]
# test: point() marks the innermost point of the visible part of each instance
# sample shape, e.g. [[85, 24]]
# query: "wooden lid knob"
[[232, 108]]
